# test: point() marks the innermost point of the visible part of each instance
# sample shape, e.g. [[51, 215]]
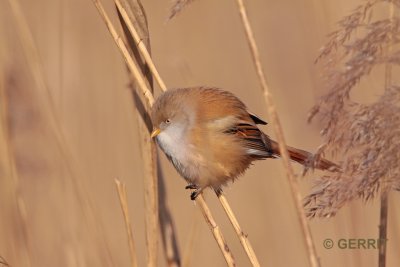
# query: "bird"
[[211, 137]]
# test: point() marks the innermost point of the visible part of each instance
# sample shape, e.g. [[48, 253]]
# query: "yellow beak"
[[155, 132]]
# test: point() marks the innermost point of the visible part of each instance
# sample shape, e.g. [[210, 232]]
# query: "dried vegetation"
[[366, 137]]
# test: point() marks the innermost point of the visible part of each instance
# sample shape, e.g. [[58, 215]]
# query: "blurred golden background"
[[59, 213]]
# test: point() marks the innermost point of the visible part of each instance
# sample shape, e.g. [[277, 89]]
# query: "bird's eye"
[[167, 121]]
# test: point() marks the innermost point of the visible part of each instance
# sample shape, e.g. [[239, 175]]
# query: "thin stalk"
[[135, 70], [383, 220], [312, 254], [121, 189], [230, 261], [140, 44], [242, 236]]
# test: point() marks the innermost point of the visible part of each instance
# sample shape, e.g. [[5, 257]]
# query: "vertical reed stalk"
[[312, 255], [383, 218], [121, 189]]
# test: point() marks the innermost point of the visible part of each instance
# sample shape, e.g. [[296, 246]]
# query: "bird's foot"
[[192, 186], [196, 193], [197, 190], [218, 191]]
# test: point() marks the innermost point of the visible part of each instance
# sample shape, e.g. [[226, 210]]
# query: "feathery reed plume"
[[312, 254], [121, 189], [132, 15], [51, 113], [149, 97], [366, 136]]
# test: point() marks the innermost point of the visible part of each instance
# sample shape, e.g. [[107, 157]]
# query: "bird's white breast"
[[180, 152]]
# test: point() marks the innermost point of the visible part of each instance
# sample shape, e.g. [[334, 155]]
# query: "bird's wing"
[[256, 119], [256, 142]]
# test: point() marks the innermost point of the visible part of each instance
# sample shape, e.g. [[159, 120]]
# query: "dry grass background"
[[45, 223]]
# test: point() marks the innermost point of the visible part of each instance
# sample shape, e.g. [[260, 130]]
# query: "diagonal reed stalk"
[[140, 44], [248, 248], [147, 93], [51, 113], [312, 255], [230, 261], [121, 188]]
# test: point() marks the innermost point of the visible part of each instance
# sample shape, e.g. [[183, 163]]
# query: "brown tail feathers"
[[305, 158]]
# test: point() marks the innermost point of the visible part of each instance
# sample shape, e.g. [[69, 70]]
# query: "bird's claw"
[[197, 190], [195, 194], [192, 186]]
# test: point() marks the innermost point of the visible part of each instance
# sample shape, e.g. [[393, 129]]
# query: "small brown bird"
[[211, 138]]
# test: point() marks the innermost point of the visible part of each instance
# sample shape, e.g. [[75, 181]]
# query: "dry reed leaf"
[[177, 7], [366, 136], [3, 262]]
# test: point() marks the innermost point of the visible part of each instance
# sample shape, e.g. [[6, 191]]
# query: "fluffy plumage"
[[210, 137]]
